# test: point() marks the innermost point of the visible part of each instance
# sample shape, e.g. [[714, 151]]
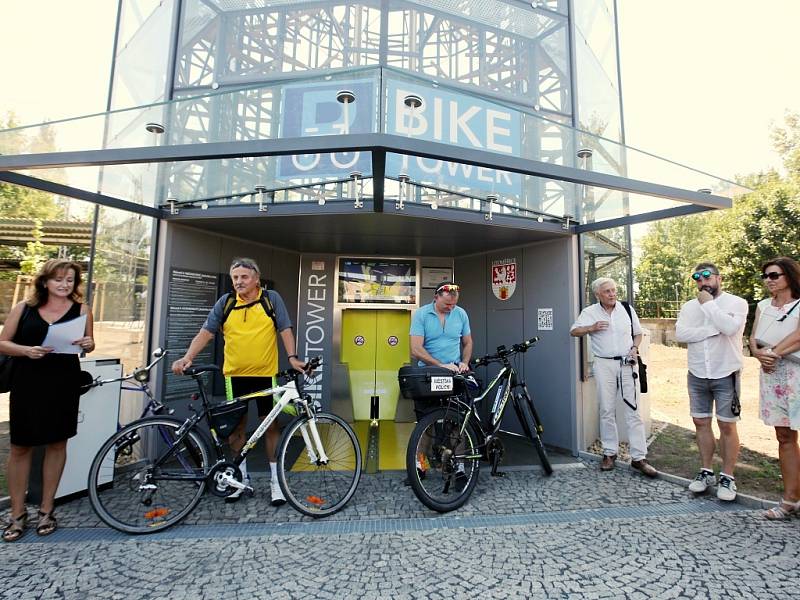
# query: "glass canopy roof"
[[359, 135]]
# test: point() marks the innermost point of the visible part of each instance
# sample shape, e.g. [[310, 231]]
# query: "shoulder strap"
[[230, 305], [267, 305], [627, 308], [230, 302]]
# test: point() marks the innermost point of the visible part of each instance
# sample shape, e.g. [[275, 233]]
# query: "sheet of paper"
[[61, 335]]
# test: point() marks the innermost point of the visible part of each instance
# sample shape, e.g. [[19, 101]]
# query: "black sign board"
[[192, 295]]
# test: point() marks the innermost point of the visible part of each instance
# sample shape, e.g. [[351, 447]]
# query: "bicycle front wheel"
[[314, 486], [144, 479], [442, 462]]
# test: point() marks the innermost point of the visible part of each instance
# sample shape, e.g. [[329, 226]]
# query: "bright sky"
[[702, 79]]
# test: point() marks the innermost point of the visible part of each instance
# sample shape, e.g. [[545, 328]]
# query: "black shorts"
[[238, 386]]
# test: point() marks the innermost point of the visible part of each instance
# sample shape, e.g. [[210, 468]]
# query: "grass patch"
[[674, 451]]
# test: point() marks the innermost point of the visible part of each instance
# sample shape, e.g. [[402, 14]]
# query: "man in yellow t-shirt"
[[251, 353]]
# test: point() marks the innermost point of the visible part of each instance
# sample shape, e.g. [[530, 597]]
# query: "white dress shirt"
[[617, 339], [713, 332]]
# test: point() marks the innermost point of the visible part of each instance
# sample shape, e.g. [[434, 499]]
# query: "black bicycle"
[[448, 444], [153, 472]]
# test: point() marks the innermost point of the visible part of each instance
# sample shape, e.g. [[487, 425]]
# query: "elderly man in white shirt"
[[615, 339], [712, 326]]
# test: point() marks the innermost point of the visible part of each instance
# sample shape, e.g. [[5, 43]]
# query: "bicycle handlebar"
[[140, 374], [503, 353], [309, 367]]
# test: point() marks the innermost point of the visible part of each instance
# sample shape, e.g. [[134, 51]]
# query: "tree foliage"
[[761, 225]]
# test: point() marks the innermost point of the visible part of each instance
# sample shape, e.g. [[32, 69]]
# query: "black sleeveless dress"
[[44, 392]]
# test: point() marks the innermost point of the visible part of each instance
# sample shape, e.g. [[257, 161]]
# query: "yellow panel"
[[358, 351], [392, 353], [392, 445]]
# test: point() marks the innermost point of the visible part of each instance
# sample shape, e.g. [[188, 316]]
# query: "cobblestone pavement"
[[577, 534]]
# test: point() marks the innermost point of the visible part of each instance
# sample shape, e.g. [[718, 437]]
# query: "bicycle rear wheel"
[[530, 423], [313, 487], [441, 462], [143, 480]]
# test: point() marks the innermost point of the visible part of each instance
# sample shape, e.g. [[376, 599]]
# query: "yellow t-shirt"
[[251, 342]]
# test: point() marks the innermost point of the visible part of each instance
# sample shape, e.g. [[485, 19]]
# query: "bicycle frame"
[[286, 394], [502, 388]]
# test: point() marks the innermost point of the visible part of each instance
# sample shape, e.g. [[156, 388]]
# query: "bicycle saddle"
[[197, 369]]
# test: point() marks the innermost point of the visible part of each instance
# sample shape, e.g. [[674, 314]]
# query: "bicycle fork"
[[317, 456]]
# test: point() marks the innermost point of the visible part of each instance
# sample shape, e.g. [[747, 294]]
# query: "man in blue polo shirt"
[[440, 335]]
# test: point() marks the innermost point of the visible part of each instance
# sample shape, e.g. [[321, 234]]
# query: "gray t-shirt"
[[214, 319]]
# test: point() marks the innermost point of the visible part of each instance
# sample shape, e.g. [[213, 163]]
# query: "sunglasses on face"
[[772, 275], [448, 288], [705, 274]]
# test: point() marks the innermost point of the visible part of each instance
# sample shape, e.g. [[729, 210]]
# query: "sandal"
[[47, 523], [15, 528], [785, 510]]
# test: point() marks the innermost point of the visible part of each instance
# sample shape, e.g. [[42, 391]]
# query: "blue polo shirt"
[[442, 343]]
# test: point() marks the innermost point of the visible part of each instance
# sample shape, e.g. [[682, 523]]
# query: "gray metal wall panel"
[[470, 275], [550, 372]]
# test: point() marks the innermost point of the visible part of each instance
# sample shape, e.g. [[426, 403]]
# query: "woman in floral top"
[[780, 379]]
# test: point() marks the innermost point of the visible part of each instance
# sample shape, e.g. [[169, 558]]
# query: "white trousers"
[[606, 375]]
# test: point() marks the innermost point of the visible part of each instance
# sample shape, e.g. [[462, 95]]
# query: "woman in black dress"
[[45, 388]]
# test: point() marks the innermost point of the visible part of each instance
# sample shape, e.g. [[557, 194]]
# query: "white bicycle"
[[153, 472]]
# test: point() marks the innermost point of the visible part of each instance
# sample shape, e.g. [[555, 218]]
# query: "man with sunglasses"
[[440, 335], [251, 324], [712, 326], [615, 335]]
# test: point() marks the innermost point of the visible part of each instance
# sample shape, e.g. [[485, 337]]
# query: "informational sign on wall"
[[192, 295], [315, 321], [504, 277]]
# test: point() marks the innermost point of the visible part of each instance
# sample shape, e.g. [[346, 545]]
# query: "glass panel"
[[36, 226], [414, 107], [605, 254], [596, 68], [141, 66], [121, 283], [494, 46]]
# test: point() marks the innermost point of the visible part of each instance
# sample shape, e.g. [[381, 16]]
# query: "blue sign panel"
[[455, 119], [312, 109]]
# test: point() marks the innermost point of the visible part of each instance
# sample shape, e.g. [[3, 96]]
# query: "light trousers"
[[609, 392]]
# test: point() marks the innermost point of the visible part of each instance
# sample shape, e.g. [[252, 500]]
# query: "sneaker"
[[702, 481], [277, 494], [726, 490]]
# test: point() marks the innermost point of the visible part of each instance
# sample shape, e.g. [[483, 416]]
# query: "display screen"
[[371, 281]]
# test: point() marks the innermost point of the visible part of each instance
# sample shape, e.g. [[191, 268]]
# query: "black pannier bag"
[[426, 382], [227, 416]]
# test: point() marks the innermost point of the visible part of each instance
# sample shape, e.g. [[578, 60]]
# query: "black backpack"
[[230, 305]]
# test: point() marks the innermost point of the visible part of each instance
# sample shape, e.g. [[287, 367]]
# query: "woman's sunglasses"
[[773, 275], [705, 274]]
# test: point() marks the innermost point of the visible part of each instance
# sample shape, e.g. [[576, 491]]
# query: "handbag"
[[773, 327], [6, 372], [642, 366], [7, 362]]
